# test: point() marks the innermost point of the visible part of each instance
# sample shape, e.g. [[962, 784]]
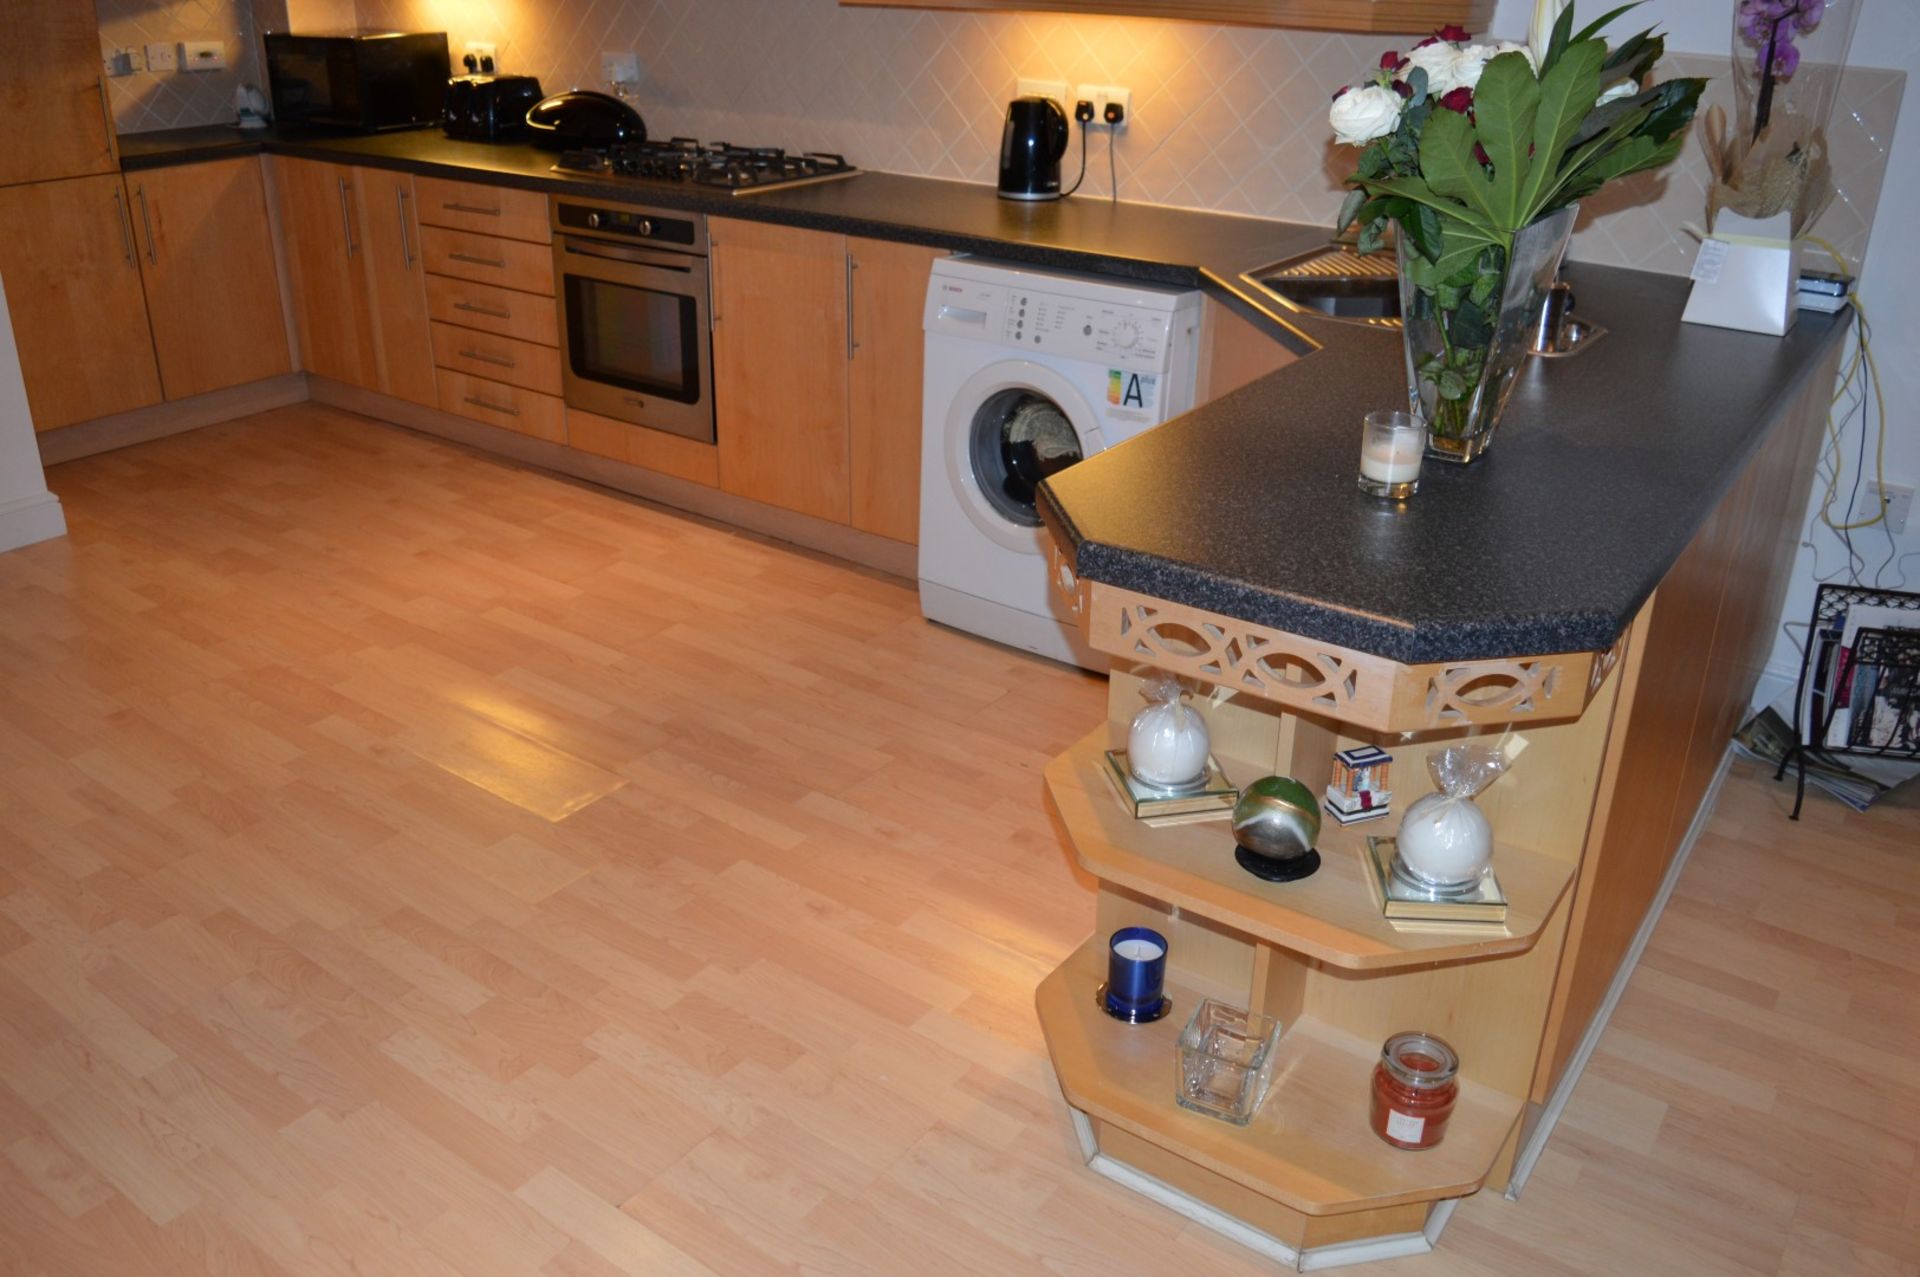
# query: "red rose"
[[1404, 89], [1453, 33], [1430, 40], [1390, 60], [1459, 100], [1480, 153]]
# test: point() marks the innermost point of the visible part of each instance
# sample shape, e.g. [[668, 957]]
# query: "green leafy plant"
[[1496, 146]]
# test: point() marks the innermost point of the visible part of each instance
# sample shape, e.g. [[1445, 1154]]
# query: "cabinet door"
[[213, 291], [883, 395], [780, 365], [67, 257], [323, 246], [51, 94], [396, 285]]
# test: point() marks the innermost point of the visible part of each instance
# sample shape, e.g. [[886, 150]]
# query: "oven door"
[[633, 324]]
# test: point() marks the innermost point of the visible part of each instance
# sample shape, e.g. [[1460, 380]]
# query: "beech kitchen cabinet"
[[816, 367], [52, 95], [355, 266], [72, 273], [212, 289]]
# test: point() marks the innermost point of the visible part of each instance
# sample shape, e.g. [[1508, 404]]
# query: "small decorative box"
[[1213, 795], [1358, 790]]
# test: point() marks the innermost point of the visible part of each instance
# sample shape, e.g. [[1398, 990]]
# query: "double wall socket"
[[1103, 94], [483, 54], [1896, 502]]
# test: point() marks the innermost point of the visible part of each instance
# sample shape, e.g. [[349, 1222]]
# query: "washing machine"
[[1028, 372]]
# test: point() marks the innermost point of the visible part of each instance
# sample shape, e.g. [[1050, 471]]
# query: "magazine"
[[1858, 782]]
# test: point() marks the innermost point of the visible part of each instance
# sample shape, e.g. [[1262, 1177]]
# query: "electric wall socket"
[[1055, 89], [483, 53], [203, 55], [163, 57], [1896, 502], [1100, 95]]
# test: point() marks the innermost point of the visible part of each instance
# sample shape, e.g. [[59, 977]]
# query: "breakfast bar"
[[1603, 585]]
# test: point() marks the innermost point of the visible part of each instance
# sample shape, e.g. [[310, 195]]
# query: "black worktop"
[[1605, 467]]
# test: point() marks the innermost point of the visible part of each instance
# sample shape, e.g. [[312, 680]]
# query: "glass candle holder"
[[1415, 1085], [1135, 990], [1224, 1061], [1391, 446]]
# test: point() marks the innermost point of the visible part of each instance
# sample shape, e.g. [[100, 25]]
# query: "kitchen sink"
[[1338, 282]]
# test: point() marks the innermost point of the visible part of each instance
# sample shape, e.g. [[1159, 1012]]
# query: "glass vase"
[[1464, 354]]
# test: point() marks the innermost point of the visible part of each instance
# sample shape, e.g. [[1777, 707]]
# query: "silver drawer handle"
[[492, 407], [472, 309], [495, 360], [471, 208], [497, 264]]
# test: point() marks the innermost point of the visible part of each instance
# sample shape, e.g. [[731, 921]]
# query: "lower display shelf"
[[1310, 1147]]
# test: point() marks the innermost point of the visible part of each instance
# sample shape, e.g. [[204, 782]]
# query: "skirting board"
[[1312, 1259], [143, 425], [30, 519], [893, 557], [1557, 1102]]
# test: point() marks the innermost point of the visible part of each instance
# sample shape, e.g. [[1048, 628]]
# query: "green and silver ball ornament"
[[1276, 823]]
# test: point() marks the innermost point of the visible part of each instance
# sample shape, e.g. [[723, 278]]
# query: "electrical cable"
[[1863, 362], [1083, 163]]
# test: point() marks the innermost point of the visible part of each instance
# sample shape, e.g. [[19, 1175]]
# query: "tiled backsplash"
[[1225, 118], [145, 101]]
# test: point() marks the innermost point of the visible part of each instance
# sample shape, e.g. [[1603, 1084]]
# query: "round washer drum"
[[992, 472]]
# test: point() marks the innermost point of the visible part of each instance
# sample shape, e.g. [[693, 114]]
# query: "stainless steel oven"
[[633, 314]]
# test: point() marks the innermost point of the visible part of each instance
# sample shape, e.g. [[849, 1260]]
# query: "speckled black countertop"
[[1179, 248], [1606, 465]]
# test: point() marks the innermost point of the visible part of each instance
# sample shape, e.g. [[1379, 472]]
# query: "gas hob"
[[685, 161]]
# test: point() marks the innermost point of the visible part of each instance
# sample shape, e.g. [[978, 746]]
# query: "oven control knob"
[[593, 220], [645, 228], [1125, 335]]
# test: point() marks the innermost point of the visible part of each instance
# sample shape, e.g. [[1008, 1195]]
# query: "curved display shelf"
[[1330, 917]]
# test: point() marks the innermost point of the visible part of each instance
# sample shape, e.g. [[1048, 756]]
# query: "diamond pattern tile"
[[1226, 118]]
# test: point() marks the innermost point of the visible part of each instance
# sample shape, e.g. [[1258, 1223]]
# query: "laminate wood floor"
[[412, 864]]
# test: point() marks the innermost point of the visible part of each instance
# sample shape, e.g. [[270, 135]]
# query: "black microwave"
[[367, 81]]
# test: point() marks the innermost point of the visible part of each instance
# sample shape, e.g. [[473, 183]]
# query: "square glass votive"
[[1391, 446], [1224, 1061]]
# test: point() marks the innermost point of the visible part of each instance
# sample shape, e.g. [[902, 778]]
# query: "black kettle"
[[1030, 149]]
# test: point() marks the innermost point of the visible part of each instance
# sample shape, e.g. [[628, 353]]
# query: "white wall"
[[28, 512], [1888, 36]]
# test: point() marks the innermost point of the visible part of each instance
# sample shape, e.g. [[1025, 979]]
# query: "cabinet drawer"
[[497, 404], [524, 316], [491, 210], [518, 363], [510, 263]]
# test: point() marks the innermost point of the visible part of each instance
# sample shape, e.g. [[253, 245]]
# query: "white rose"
[[1471, 62], [1624, 89], [1361, 115], [1441, 62]]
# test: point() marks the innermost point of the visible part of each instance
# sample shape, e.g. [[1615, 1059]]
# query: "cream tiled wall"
[[1225, 118], [145, 101]]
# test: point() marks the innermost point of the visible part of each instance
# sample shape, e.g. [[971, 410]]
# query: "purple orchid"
[[1770, 26]]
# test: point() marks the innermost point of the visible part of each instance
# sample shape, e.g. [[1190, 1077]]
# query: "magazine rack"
[[1888, 656]]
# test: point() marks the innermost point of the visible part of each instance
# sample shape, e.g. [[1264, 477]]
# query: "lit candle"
[[1136, 975], [1390, 450]]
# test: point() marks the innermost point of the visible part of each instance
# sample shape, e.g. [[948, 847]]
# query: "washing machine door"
[[1011, 425]]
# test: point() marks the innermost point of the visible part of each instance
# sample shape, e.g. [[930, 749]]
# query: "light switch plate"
[[163, 57], [119, 61], [620, 68], [203, 55], [1055, 89]]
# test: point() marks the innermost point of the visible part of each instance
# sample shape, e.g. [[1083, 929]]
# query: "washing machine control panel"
[[1023, 318]]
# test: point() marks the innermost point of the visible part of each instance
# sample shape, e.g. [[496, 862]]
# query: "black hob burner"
[[740, 170]]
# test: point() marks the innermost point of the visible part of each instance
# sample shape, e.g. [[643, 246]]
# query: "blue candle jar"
[[1135, 990]]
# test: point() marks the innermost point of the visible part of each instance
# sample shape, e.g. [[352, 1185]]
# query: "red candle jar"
[[1414, 1088]]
